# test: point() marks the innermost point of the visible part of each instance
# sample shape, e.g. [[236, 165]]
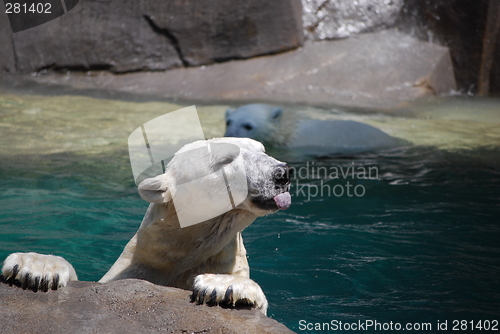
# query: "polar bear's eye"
[[228, 122], [248, 126]]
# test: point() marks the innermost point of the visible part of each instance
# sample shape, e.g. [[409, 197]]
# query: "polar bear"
[[208, 258], [271, 126]]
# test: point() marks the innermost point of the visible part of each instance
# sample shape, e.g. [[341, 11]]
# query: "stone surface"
[[379, 70], [495, 71], [158, 35], [95, 34], [220, 30], [459, 25], [126, 306], [7, 61], [328, 19]]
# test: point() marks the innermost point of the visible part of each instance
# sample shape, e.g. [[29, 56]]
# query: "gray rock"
[[378, 70], [158, 35], [461, 26], [220, 30], [7, 61], [329, 19], [95, 34], [126, 306]]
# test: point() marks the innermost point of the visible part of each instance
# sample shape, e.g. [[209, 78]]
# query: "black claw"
[[195, 294], [213, 299], [35, 284], [15, 271], [201, 296], [44, 284], [244, 303], [228, 297], [26, 283], [55, 282]]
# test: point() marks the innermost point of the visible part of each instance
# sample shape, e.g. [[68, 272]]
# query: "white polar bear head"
[[256, 121], [208, 178]]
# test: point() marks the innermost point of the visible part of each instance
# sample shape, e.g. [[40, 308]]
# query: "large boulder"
[[331, 19], [95, 34], [158, 35], [377, 70], [210, 31], [126, 306], [468, 28], [461, 25]]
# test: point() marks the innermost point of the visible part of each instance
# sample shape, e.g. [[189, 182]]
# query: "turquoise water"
[[417, 241], [420, 246]]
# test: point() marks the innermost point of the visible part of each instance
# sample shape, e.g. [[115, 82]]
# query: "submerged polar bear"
[[271, 126], [208, 257]]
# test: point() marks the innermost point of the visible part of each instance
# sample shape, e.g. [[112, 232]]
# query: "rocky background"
[[156, 35], [469, 28]]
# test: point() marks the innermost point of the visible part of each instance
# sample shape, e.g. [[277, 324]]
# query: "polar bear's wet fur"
[[208, 258], [292, 129]]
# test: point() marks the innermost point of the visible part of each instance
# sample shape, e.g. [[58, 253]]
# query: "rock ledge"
[[125, 306]]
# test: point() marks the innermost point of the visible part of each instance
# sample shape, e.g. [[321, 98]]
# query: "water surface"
[[420, 244]]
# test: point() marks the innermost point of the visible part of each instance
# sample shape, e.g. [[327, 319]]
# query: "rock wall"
[[380, 70], [7, 61], [152, 35], [157, 35], [126, 306], [331, 19], [461, 26]]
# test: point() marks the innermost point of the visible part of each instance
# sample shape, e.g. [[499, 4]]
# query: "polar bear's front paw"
[[38, 272], [233, 290]]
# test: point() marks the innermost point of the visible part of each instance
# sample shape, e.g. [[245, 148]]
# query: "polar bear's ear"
[[228, 113], [276, 114], [154, 190]]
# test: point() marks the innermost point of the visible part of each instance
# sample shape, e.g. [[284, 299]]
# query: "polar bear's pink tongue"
[[283, 200]]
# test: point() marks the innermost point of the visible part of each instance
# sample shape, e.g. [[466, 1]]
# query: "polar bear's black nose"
[[282, 174]]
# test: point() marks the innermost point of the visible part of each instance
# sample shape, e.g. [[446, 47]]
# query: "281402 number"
[[16, 8], [486, 325]]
